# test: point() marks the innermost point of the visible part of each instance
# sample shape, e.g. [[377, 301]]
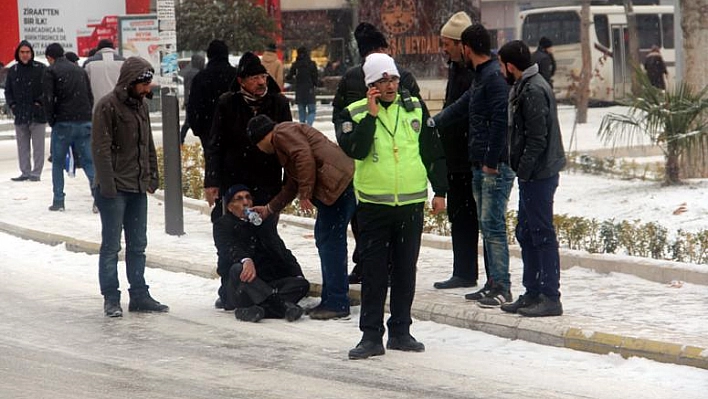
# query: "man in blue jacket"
[[536, 155], [485, 104]]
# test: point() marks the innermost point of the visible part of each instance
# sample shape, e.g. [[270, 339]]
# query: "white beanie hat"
[[455, 25], [378, 66]]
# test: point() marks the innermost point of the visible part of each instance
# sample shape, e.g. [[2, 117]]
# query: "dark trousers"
[[259, 292], [384, 229], [537, 237], [462, 214], [184, 129]]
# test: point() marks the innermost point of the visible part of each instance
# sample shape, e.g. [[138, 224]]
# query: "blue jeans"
[[63, 134], [537, 237], [331, 240], [127, 211], [307, 113], [491, 192]]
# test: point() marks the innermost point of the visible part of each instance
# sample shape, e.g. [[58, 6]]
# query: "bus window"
[[649, 30], [667, 28], [602, 29], [561, 27]]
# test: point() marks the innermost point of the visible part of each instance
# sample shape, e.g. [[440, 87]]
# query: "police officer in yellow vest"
[[396, 154]]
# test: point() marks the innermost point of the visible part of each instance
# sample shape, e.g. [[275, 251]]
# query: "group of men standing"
[[389, 151]]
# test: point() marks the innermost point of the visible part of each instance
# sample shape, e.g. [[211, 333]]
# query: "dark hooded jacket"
[[121, 140], [67, 92], [204, 93], [23, 89], [230, 156]]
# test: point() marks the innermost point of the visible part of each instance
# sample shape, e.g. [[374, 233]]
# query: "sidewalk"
[[606, 311]]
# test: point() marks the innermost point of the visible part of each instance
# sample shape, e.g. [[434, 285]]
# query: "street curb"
[[449, 310]]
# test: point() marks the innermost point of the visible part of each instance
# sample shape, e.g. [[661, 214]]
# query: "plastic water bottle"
[[253, 217]]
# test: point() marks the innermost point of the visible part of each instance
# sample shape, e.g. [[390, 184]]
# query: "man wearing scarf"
[[126, 169], [230, 158]]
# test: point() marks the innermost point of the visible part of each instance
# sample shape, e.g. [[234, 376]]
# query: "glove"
[[430, 122]]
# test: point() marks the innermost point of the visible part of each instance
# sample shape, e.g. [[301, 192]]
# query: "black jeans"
[[462, 214], [384, 229], [257, 292]]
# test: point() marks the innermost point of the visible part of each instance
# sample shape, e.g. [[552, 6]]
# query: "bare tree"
[[583, 93]]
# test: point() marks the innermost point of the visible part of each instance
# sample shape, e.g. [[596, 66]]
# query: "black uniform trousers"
[[396, 230]]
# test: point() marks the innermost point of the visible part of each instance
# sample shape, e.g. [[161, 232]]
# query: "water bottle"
[[253, 217]]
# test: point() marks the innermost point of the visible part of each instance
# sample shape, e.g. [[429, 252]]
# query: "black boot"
[[57, 206], [276, 307], [252, 314], [366, 349], [111, 308], [143, 302], [405, 343]]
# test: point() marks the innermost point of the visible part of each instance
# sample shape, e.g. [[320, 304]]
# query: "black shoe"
[[219, 304], [354, 278], [477, 295], [454, 282], [293, 312], [34, 178], [111, 308], [496, 297], [320, 313], [366, 349], [20, 178], [405, 343], [543, 307], [57, 206], [94, 207], [145, 303], [252, 314], [522, 301]]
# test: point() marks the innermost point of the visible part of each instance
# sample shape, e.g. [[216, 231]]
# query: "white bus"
[[609, 43]]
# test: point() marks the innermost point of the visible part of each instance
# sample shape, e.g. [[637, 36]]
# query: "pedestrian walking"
[[196, 64], [304, 73], [103, 69], [68, 102]]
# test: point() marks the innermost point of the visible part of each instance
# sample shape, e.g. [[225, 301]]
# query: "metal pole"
[[174, 219]]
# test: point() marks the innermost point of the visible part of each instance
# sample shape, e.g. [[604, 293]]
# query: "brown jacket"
[[274, 67], [314, 165], [121, 140]]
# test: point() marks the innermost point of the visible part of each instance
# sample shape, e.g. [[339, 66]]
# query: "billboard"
[[139, 36]]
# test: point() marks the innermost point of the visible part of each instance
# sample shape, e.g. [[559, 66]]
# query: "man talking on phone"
[[396, 155]]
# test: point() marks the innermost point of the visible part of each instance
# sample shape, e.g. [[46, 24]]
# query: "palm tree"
[[674, 120]]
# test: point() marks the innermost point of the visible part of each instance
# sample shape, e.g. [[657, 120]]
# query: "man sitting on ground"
[[265, 279]]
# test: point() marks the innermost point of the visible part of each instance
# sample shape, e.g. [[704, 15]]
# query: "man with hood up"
[[188, 74], [23, 93], [126, 169], [230, 157], [206, 88]]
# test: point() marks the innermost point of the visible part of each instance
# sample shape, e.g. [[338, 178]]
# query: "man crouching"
[[265, 279]]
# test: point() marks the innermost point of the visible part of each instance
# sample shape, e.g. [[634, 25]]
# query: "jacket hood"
[[131, 69], [17, 50]]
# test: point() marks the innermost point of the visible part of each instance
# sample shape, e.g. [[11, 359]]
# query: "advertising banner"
[[139, 35]]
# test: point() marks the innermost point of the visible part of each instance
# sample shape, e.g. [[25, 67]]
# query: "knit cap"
[[378, 66], [258, 127], [455, 25], [368, 39]]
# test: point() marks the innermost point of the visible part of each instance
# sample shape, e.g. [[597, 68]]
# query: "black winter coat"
[[304, 71], [546, 64], [236, 239], [67, 92], [535, 144], [207, 86], [230, 156], [454, 137], [24, 91], [353, 88]]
